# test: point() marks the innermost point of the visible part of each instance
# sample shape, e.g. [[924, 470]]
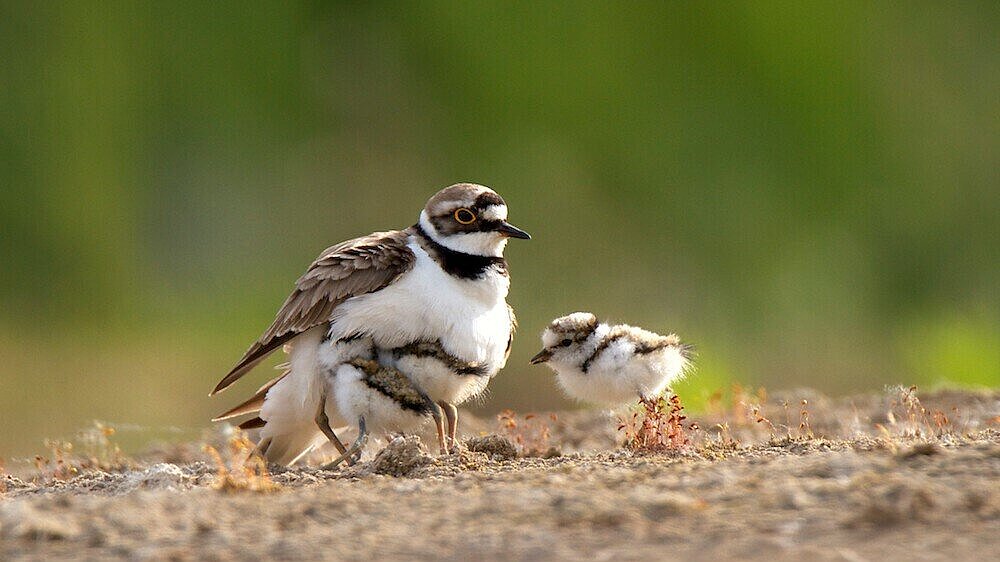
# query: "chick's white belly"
[[612, 377], [606, 388], [439, 381], [618, 375], [382, 414]]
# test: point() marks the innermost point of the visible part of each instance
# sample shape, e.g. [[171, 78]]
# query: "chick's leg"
[[439, 425], [352, 455], [451, 412]]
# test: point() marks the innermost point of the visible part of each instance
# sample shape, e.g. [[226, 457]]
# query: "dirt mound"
[[403, 456]]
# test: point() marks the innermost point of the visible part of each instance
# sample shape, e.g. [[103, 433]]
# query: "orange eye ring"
[[465, 216]]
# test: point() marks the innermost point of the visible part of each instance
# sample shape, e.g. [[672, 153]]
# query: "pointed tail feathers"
[[291, 443]]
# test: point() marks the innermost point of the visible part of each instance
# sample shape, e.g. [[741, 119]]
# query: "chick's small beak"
[[541, 357], [512, 231]]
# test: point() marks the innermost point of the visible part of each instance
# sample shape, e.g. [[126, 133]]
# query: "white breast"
[[469, 317], [439, 381], [618, 375]]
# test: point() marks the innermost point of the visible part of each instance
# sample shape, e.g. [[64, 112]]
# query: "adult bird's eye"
[[465, 216], [565, 343]]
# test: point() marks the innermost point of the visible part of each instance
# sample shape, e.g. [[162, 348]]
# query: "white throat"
[[475, 243]]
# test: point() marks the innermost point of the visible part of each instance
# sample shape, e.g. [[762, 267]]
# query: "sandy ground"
[[887, 477]]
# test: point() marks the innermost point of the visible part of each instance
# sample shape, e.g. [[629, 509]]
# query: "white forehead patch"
[[549, 338], [578, 318], [494, 213]]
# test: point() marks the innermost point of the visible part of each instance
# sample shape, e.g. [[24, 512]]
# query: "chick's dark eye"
[[465, 216], [565, 343]]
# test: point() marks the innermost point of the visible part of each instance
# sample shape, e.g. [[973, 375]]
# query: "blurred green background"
[[807, 191]]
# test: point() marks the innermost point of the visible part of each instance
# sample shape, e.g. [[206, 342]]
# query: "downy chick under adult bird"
[[380, 389], [611, 365], [442, 280], [370, 388], [433, 368], [382, 400]]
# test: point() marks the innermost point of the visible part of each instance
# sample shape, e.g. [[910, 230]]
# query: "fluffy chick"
[[383, 388], [611, 365], [366, 387]]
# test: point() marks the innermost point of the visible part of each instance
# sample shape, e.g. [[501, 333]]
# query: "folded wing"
[[351, 268]]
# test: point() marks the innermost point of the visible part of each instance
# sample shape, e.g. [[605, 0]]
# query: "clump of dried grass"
[[909, 418], [741, 414], [96, 451], [244, 470]]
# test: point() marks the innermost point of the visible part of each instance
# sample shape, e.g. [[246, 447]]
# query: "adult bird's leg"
[[261, 448], [324, 425], [451, 412], [439, 424], [356, 448]]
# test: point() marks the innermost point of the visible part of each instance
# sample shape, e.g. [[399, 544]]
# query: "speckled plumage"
[[604, 364], [382, 395], [386, 390]]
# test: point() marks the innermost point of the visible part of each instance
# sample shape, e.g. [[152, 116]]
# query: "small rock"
[[496, 446], [10, 484], [401, 457]]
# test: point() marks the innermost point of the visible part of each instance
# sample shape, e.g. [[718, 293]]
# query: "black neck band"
[[460, 264]]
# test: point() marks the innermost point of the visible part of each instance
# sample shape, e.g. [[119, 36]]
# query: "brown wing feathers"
[[253, 356], [252, 423], [359, 266], [254, 403]]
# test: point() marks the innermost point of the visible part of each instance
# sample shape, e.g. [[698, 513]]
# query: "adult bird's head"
[[469, 218]]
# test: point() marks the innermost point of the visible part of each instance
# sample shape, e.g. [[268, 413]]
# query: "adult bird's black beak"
[[512, 231], [541, 357]]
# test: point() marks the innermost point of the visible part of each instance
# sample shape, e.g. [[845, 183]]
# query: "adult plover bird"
[[603, 364], [442, 280]]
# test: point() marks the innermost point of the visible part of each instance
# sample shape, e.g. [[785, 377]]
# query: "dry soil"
[[886, 477]]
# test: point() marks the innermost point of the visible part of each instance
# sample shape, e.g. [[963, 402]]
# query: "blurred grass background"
[[807, 191]]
